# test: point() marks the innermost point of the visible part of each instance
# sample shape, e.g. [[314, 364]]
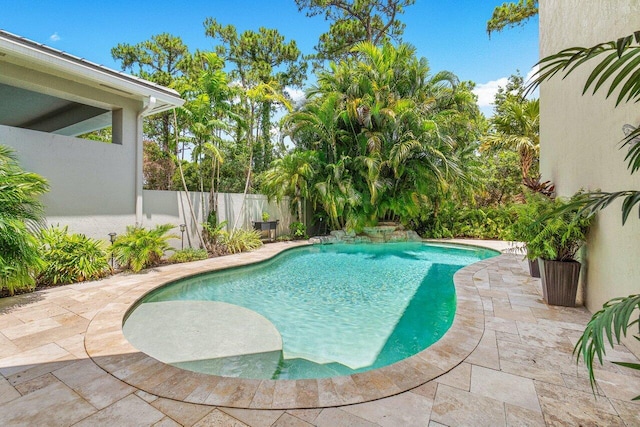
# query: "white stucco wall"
[[91, 183], [229, 205], [579, 140], [171, 207]]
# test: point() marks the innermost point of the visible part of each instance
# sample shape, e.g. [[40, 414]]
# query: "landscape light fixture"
[[112, 238], [183, 227]]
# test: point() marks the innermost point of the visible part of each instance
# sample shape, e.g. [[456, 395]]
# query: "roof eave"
[[82, 69]]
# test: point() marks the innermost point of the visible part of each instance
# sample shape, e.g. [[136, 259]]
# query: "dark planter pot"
[[559, 281], [534, 267]]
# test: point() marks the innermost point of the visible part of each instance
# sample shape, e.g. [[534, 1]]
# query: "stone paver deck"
[[506, 361]]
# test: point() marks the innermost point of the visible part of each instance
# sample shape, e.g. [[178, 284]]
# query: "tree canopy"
[[512, 14], [383, 128], [378, 137], [355, 21]]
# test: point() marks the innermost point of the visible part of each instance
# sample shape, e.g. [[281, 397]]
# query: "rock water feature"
[[382, 233]]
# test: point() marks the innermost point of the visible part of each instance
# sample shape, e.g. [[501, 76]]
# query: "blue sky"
[[450, 34]]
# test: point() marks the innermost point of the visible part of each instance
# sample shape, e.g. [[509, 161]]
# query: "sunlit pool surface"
[[339, 309]]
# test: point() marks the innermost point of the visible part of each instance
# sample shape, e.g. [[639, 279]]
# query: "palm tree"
[[207, 112], [319, 126], [516, 126], [380, 122], [21, 215], [290, 176], [336, 193]]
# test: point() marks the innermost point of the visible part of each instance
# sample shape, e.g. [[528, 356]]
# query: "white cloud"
[[530, 74], [486, 92], [54, 37], [297, 95]]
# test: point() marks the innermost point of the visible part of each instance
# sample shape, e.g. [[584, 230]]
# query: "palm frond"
[[612, 321], [597, 200], [621, 64]]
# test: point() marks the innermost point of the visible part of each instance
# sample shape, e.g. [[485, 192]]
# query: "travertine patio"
[[62, 354]]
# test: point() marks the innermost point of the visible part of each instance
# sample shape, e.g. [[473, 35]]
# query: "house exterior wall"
[[91, 183], [579, 138]]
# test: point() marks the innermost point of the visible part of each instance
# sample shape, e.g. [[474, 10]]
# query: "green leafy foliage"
[[500, 182], [389, 137], [596, 200], [140, 248], [100, 135], [298, 230], [290, 176], [516, 126], [512, 14], [241, 240], [70, 258], [21, 215], [613, 321], [461, 221], [213, 235], [157, 167], [527, 224], [560, 233], [188, 255]]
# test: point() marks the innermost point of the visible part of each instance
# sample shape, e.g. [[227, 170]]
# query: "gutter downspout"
[[151, 102]]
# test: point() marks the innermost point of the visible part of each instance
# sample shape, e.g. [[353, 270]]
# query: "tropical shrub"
[[298, 230], [611, 321], [212, 234], [241, 240], [141, 248], [482, 223], [527, 224], [21, 215], [70, 258], [188, 255], [290, 176], [516, 126], [463, 221], [561, 233]]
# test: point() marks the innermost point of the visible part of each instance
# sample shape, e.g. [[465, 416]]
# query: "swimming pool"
[[337, 309]]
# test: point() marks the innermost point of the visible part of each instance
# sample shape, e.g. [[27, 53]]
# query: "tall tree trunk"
[[186, 190], [249, 168], [299, 202]]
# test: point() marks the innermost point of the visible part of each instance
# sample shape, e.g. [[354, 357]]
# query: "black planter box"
[[559, 281], [534, 267], [267, 226]]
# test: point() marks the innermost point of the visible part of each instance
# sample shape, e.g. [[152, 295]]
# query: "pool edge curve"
[[108, 348]]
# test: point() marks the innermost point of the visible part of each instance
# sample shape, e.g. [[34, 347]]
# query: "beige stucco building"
[[49, 98], [580, 137]]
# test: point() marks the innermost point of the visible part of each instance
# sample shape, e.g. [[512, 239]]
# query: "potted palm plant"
[[528, 226], [561, 233]]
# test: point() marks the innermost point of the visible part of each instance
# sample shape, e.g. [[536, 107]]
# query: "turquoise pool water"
[[339, 309]]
